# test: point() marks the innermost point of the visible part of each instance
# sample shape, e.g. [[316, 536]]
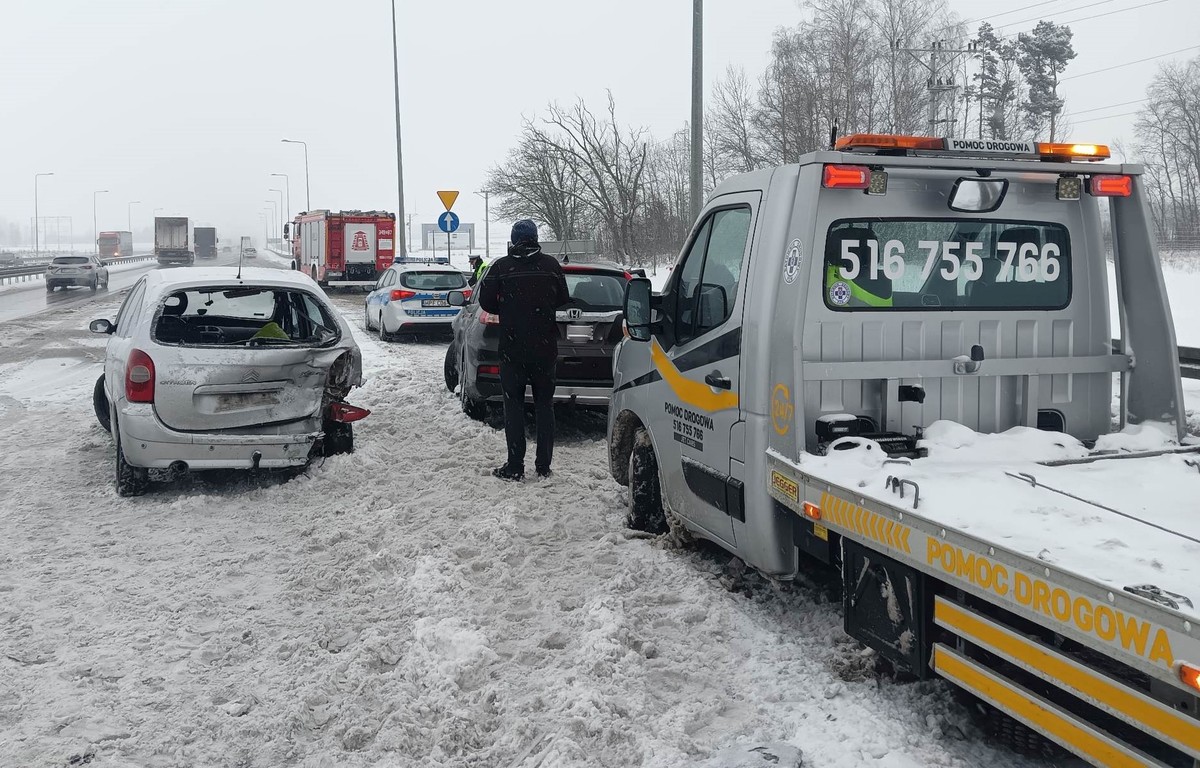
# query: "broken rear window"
[[243, 316]]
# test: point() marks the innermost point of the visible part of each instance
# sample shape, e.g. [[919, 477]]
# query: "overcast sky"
[[182, 104]]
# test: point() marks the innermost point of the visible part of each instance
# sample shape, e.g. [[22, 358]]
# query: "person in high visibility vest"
[[477, 267]]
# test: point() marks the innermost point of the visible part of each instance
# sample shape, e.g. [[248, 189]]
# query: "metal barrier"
[[36, 271]]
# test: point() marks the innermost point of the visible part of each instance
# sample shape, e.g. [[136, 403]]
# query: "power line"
[[1130, 63], [1055, 13], [1109, 106], [1011, 35], [1105, 117]]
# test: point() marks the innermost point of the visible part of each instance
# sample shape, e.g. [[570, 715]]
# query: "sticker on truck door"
[[360, 243]]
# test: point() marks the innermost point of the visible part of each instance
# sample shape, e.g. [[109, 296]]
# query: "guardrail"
[[36, 271], [1189, 362]]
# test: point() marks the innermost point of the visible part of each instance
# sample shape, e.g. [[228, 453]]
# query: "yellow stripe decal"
[[865, 523], [1065, 673], [695, 393], [1043, 716]]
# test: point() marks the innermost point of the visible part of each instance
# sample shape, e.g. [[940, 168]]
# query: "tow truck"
[[893, 361]]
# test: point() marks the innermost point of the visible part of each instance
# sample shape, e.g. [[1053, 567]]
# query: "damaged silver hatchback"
[[225, 369]]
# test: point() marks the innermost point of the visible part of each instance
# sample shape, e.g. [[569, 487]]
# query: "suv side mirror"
[[637, 308], [456, 299], [101, 326]]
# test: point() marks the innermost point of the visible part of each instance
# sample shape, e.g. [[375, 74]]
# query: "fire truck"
[[344, 247]]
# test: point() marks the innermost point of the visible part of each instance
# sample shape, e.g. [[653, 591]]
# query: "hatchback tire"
[[475, 409], [384, 333], [100, 405], [645, 493], [367, 319], [450, 370], [49, 287], [95, 284], [131, 480]]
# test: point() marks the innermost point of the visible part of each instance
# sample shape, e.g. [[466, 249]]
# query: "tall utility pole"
[[95, 227], [697, 174], [307, 196], [487, 221], [35, 208], [936, 84], [399, 153]]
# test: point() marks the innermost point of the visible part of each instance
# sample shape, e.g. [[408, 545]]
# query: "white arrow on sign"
[[446, 218]]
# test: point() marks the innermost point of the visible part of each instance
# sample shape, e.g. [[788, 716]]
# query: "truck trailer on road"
[[206, 242], [114, 245], [173, 241]]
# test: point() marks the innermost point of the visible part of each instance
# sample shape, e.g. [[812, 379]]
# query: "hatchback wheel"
[[450, 370], [475, 409], [100, 405], [131, 480], [384, 333], [49, 287], [95, 284], [367, 318], [645, 494]]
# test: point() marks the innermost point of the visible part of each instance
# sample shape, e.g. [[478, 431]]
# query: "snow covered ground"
[[399, 606]]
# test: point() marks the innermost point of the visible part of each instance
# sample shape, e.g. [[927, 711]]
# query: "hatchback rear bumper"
[[147, 442]]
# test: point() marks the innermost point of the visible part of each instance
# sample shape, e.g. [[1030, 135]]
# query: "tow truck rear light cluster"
[[139, 377], [846, 177], [1111, 186], [812, 511]]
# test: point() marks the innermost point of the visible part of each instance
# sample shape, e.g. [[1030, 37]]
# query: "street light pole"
[[287, 188], [35, 209], [487, 221], [95, 226], [274, 216], [399, 153], [129, 213], [282, 215], [307, 191]]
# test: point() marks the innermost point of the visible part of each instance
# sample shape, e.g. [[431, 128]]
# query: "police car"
[[410, 298]]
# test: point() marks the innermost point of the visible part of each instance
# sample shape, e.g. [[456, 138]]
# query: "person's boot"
[[543, 472], [512, 474]]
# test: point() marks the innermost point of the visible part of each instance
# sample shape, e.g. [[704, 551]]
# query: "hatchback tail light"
[[487, 318], [489, 370], [139, 378], [400, 294], [344, 413]]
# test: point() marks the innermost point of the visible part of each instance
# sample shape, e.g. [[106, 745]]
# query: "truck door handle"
[[715, 379]]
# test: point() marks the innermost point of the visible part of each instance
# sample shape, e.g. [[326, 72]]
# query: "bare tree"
[[730, 124], [1168, 140], [536, 181]]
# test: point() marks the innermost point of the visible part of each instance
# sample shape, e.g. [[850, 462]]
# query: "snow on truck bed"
[[966, 485]]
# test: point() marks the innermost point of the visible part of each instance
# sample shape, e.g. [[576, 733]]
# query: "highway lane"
[[25, 300]]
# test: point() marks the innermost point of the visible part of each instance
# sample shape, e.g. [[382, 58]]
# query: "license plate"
[[434, 303]]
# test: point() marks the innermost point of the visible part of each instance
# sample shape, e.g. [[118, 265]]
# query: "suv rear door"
[[589, 325], [232, 357]]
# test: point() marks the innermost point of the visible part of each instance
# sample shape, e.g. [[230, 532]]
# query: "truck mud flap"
[[1084, 710], [887, 607]]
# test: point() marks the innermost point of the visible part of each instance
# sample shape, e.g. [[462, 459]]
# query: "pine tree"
[[1042, 56]]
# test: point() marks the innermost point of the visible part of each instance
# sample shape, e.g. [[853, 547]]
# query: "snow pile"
[[401, 607]]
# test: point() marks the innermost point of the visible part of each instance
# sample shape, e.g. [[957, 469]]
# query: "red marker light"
[[1111, 186], [846, 177]]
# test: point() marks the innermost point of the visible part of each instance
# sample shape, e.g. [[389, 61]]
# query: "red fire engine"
[[344, 247]]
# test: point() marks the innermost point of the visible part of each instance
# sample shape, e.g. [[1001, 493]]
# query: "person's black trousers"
[[537, 373]]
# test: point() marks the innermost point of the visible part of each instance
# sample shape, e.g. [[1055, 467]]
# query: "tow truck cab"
[[862, 295]]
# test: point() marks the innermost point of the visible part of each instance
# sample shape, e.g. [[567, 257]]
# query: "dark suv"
[[589, 327]]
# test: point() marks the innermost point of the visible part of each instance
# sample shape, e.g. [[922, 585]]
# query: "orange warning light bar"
[[1073, 151], [888, 141]]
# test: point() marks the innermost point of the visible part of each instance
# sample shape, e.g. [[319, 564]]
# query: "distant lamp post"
[[129, 213], [282, 213], [287, 189], [274, 216], [307, 191], [35, 208], [96, 227]]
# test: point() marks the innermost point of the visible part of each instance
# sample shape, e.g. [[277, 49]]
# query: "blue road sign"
[[448, 222]]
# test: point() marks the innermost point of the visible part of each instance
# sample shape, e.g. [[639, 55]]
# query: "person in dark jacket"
[[525, 288]]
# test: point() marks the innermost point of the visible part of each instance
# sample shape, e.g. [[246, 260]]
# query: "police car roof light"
[[846, 177], [1110, 186]]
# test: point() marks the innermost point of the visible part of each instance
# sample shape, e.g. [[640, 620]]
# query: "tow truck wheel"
[[450, 370], [645, 494]]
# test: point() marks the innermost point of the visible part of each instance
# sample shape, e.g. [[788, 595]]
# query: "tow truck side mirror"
[[637, 308]]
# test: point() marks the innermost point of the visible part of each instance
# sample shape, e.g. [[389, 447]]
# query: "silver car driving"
[[219, 369]]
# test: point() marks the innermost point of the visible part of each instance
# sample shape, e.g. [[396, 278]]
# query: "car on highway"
[[65, 271], [412, 298], [589, 328], [9, 259], [221, 368], [250, 253], [226, 249]]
